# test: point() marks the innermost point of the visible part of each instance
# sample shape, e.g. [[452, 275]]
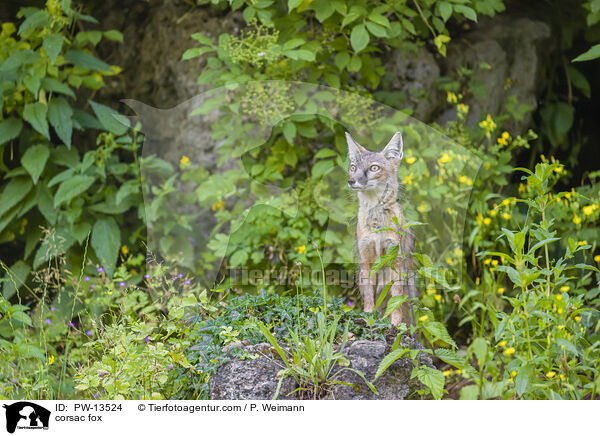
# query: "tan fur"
[[374, 175]]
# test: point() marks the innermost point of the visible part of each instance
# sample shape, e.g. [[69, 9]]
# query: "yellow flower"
[[558, 170], [565, 288], [50, 360], [550, 374], [510, 380], [503, 140], [487, 221], [301, 249], [560, 327], [462, 109], [560, 310], [588, 210], [582, 243], [423, 318], [493, 212], [451, 97], [487, 261], [509, 351], [408, 179], [577, 318], [502, 343], [458, 371], [597, 258], [514, 373], [576, 220], [494, 262], [501, 290], [444, 159], [562, 376], [506, 216], [124, 250], [410, 160], [447, 372], [465, 180], [184, 160], [421, 208], [438, 297], [521, 188], [430, 291], [508, 83], [558, 297], [218, 205]]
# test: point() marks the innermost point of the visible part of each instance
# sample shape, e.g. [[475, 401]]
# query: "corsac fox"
[[374, 176]]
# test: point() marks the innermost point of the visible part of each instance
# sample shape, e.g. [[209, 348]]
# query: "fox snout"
[[357, 183]]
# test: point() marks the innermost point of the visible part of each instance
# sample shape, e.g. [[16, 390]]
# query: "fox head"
[[370, 170]]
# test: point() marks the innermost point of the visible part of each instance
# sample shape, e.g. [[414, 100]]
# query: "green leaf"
[[15, 60], [466, 11], [10, 128], [114, 35], [293, 43], [289, 131], [301, 54], [35, 114], [15, 190], [53, 45], [342, 59], [445, 10], [34, 160], [194, 52], [325, 153], [59, 115], [383, 294], [592, 53], [86, 60], [579, 81], [41, 18], [376, 30], [324, 10], [394, 303], [321, 168], [202, 39], [71, 188], [379, 19], [293, 4], [359, 37], [480, 348], [106, 241], [54, 85], [433, 379], [389, 359], [110, 118], [522, 379]]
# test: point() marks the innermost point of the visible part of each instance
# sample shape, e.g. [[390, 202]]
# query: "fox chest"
[[373, 243]]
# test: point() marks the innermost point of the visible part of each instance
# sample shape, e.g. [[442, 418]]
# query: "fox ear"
[[394, 149], [354, 148]]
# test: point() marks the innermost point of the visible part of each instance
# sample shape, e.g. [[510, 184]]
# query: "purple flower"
[[52, 308], [170, 366], [95, 395], [86, 278], [180, 275], [147, 339], [188, 282], [72, 324], [349, 304], [146, 276], [48, 321], [122, 284], [14, 380], [89, 333], [100, 269]]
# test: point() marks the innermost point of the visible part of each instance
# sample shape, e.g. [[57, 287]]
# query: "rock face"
[[256, 378], [516, 51]]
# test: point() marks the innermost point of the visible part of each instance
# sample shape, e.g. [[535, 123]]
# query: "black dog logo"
[[26, 415]]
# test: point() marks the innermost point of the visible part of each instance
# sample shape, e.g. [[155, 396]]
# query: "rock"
[[256, 379], [516, 50], [251, 378], [414, 76]]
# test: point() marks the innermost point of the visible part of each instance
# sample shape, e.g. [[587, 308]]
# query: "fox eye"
[[352, 168], [374, 168]]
